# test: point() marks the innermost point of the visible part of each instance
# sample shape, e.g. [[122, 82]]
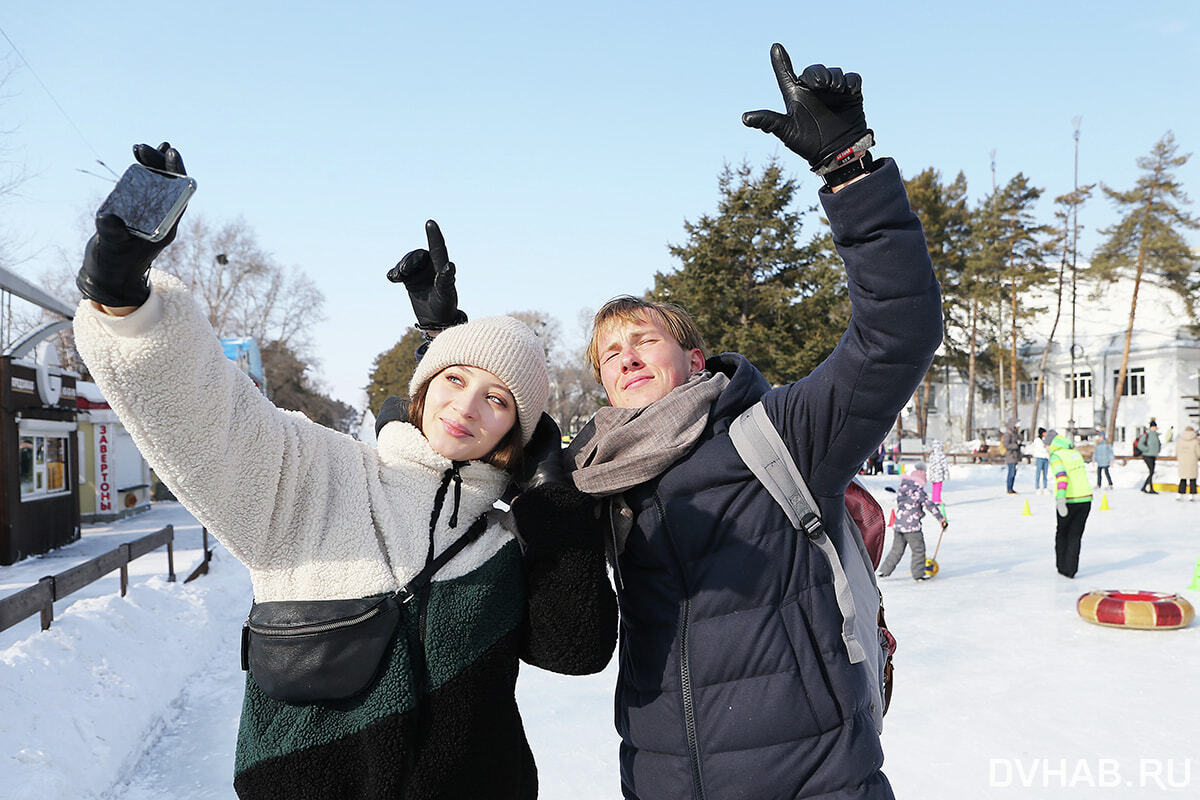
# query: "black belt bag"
[[308, 651], [304, 651]]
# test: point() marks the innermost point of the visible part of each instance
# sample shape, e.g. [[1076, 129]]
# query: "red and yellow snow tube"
[[1151, 611]]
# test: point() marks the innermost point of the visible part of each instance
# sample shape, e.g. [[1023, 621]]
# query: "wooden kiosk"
[[39, 445], [39, 451]]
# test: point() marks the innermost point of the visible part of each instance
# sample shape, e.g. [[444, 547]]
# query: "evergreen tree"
[[942, 209], [393, 369], [981, 282], [1148, 241], [1007, 261], [1025, 250], [750, 283], [1067, 215]]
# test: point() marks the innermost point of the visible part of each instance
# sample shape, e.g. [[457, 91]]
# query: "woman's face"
[[468, 411]]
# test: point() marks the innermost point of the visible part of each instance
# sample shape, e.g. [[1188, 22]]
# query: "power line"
[[53, 99]]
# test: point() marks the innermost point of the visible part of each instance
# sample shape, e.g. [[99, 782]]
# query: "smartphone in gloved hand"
[[148, 201]]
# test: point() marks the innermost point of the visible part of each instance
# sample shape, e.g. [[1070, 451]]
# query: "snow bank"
[[83, 698]]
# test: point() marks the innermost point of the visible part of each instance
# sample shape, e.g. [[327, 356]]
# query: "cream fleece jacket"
[[303, 506]]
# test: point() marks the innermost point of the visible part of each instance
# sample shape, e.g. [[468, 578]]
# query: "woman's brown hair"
[[507, 455]]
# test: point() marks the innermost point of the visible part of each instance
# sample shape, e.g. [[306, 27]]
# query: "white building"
[[1163, 379]]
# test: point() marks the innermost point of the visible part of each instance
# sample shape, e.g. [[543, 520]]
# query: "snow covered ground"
[[1001, 690]]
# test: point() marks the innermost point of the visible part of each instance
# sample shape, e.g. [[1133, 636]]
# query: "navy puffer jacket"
[[734, 680]]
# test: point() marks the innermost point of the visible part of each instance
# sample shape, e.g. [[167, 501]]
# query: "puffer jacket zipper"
[[689, 709], [616, 552], [685, 674]]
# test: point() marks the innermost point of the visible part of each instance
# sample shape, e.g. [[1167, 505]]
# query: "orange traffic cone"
[[892, 519], [1026, 512]]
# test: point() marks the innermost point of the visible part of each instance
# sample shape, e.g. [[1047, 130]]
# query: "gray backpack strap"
[[760, 446]]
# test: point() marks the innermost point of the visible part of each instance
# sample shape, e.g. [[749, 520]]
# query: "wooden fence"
[[998, 458], [40, 597]]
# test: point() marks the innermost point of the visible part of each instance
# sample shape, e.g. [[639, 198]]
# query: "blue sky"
[[561, 146]]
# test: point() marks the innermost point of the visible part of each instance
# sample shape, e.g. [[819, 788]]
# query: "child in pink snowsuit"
[[937, 469]]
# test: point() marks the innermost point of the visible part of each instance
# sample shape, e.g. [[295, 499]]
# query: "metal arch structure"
[[14, 284], [39, 297], [26, 344]]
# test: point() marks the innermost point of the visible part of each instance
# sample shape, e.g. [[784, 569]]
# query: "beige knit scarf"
[[633, 445]]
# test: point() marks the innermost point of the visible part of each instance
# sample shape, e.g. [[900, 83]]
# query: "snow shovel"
[[931, 565]]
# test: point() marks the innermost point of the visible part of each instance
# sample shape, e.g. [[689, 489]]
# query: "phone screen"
[[148, 202]]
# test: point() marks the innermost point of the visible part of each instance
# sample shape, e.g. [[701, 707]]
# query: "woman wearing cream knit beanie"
[[503, 346]]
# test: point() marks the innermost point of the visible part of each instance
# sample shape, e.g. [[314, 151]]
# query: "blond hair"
[[629, 309]]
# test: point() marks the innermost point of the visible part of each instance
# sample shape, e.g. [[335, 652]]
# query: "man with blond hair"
[[734, 680]]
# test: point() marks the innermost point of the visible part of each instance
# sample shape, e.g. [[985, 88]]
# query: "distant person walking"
[[1012, 451], [1103, 456], [1072, 501], [1149, 447], [938, 472], [875, 461], [1187, 456], [1041, 463]]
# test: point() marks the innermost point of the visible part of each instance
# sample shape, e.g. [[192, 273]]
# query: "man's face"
[[641, 362]]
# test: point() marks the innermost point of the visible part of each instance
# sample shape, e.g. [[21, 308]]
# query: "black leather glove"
[[543, 461], [429, 277], [115, 262], [394, 408], [824, 122]]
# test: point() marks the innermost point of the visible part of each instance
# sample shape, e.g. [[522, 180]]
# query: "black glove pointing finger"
[[428, 275], [115, 262], [824, 121]]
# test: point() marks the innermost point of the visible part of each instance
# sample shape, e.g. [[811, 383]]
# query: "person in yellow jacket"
[[1072, 500]]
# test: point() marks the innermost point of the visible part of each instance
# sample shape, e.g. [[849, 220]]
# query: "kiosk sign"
[[103, 470]]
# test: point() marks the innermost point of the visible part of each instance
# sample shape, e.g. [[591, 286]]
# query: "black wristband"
[[859, 166], [460, 317]]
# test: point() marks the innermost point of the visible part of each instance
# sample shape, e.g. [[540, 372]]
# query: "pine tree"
[[1148, 241], [1067, 214], [1006, 262], [751, 285], [942, 209], [393, 369], [1025, 249], [981, 284]]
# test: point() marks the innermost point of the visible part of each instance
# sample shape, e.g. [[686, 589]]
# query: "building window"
[[43, 462], [1135, 381], [1027, 391], [1119, 434], [1079, 386]]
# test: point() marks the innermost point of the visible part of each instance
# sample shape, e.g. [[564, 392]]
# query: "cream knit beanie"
[[505, 347]]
